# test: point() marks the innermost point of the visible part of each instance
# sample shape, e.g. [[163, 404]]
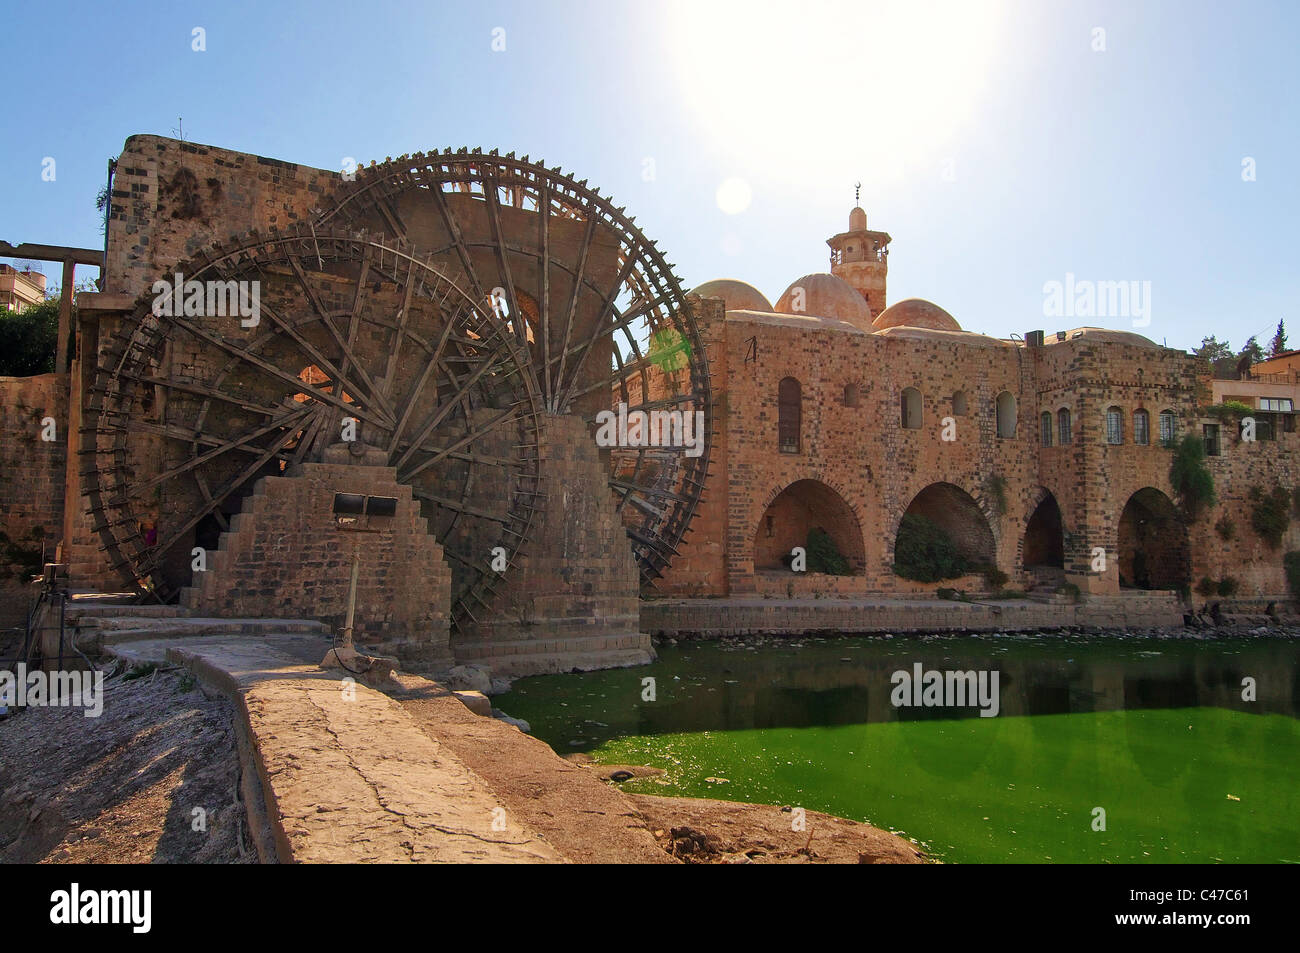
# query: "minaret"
[[861, 257]]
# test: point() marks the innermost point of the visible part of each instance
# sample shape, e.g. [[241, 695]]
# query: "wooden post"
[[65, 316]]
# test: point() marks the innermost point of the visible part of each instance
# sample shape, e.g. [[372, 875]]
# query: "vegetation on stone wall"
[[1225, 527], [1270, 514], [1192, 481], [995, 489], [1225, 587], [925, 553], [1229, 410], [823, 556]]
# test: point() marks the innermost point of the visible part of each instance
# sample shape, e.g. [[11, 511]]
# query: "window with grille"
[[1063, 426], [1045, 428], [1114, 426], [1141, 427], [1168, 426]]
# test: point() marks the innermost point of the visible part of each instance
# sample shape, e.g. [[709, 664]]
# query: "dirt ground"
[[123, 787]]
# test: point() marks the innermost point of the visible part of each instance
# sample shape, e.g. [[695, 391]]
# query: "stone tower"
[[861, 257]]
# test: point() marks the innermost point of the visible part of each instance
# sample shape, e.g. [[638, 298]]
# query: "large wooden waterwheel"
[[189, 410], [595, 306]]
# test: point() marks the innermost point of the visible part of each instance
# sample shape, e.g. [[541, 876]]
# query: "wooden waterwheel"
[[593, 303], [189, 409]]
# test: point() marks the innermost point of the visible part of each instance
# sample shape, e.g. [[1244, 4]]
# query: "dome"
[[915, 313], [736, 295], [826, 296]]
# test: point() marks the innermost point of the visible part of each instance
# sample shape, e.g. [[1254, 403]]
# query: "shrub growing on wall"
[[1271, 514], [925, 552], [1192, 482]]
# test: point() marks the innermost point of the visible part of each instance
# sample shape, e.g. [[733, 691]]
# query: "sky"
[[1003, 145]]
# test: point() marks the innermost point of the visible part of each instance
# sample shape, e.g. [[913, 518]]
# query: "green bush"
[[1228, 586], [1192, 482], [824, 557], [925, 553], [1228, 410], [1069, 589], [994, 577], [945, 593], [1226, 528], [1205, 587], [1271, 514], [29, 339]]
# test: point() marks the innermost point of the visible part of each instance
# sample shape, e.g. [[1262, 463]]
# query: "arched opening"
[[810, 514], [1045, 428], [789, 409], [1063, 428], [1006, 408], [1045, 537], [959, 403], [911, 408], [851, 395], [1153, 551], [942, 535], [1168, 427]]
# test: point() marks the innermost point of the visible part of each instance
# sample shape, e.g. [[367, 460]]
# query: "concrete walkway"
[[346, 774]]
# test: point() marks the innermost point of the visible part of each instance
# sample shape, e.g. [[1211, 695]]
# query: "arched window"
[[1063, 434], [1168, 427], [850, 395], [1141, 427], [1006, 407], [789, 410], [1045, 428], [911, 408], [959, 403], [1114, 426]]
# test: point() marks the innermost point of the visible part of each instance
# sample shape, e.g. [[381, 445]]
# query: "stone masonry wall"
[[31, 480], [286, 557]]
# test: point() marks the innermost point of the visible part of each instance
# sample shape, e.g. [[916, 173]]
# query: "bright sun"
[[861, 89]]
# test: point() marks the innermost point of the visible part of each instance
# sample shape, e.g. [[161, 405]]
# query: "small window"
[[911, 408], [850, 395], [1276, 404], [1006, 411], [1045, 428], [1063, 433], [1141, 427], [1210, 433], [1114, 426], [1288, 423], [1168, 427], [789, 411], [959, 403]]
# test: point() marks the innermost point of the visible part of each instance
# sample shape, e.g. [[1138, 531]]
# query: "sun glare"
[[856, 89]]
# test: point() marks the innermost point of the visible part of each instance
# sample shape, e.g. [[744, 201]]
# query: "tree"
[[29, 339], [1252, 350], [1212, 349], [1278, 344]]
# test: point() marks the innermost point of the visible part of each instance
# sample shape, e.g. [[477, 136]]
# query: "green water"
[[1154, 732]]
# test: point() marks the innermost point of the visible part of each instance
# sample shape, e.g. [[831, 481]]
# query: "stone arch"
[[802, 506], [1153, 548], [1006, 414], [959, 515], [1044, 540]]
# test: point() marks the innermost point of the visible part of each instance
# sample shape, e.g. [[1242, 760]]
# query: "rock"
[[519, 723], [500, 685], [469, 678], [476, 702], [620, 775]]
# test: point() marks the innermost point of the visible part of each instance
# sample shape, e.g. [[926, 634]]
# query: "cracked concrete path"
[[348, 775]]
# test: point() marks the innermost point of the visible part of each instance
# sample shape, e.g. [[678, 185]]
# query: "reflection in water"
[[712, 687]]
